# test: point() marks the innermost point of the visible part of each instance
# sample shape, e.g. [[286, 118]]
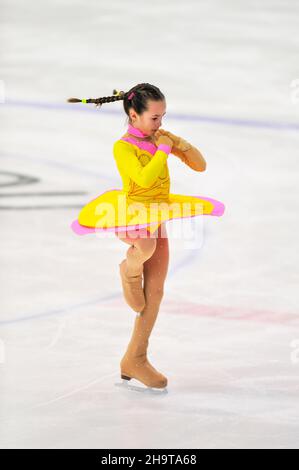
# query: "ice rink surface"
[[227, 335]]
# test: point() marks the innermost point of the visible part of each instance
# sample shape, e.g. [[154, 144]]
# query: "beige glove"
[[162, 139], [178, 142], [188, 154]]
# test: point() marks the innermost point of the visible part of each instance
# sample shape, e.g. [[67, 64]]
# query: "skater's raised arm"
[[128, 163]]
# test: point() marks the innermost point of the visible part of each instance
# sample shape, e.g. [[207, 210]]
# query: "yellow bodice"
[[143, 169]]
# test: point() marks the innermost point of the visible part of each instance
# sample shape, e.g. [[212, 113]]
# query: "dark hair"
[[142, 93]]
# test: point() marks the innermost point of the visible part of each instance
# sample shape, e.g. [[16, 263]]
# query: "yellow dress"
[[145, 200]]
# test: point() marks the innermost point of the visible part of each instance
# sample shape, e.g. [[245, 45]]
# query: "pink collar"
[[134, 131]]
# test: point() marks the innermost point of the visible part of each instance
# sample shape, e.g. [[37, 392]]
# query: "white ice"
[[227, 335]]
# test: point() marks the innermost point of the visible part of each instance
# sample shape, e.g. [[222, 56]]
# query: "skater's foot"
[[140, 369]]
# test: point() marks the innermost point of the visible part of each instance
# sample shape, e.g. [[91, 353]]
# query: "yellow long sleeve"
[[128, 163]]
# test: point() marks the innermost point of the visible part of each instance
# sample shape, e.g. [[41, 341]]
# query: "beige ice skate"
[[134, 364]]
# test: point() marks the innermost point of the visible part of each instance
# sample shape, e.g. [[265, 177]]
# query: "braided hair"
[[135, 98]]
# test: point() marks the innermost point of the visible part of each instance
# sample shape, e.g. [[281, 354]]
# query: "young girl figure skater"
[[141, 156]]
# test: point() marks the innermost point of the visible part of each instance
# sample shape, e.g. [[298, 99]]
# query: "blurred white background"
[[227, 335]]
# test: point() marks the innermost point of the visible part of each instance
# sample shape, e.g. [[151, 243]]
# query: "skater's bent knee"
[[146, 246]]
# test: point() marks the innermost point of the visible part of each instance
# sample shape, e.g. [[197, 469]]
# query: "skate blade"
[[148, 390]]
